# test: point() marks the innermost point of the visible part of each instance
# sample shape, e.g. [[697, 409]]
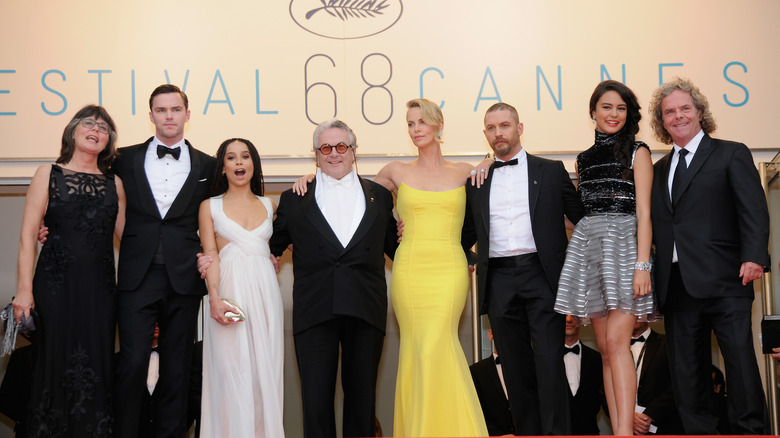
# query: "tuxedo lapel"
[[535, 173], [190, 184], [664, 183], [702, 153], [314, 215], [142, 182], [484, 201], [368, 218], [495, 380], [651, 347]]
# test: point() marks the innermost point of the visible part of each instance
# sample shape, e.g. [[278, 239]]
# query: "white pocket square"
[[203, 180]]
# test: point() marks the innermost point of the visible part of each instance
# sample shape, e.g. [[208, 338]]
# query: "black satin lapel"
[[368, 218], [484, 201], [535, 173], [665, 180], [702, 154], [314, 215], [190, 184], [142, 182]]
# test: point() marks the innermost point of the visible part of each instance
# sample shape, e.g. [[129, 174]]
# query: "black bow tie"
[[575, 349], [639, 339], [162, 150], [500, 164], [498, 361]]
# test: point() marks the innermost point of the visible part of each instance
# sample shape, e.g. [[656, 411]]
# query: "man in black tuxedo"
[[586, 381], [489, 382], [654, 396], [711, 231], [165, 181], [517, 218], [340, 230]]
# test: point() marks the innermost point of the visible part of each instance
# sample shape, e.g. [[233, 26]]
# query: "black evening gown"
[[74, 288]]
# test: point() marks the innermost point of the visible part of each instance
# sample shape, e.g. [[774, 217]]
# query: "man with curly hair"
[[711, 231]]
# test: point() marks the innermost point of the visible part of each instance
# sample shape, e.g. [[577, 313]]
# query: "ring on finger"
[[473, 172], [481, 170]]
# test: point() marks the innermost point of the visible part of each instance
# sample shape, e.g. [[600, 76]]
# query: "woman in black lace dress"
[[72, 286], [606, 276]]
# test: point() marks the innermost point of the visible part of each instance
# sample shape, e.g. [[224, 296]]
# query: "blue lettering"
[[558, 102], [726, 76], [257, 95], [661, 70], [497, 97], [422, 95], [53, 91], [218, 76], [605, 74], [7, 113], [100, 83]]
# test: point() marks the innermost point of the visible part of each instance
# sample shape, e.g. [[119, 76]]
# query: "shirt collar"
[[521, 157], [348, 181], [692, 145]]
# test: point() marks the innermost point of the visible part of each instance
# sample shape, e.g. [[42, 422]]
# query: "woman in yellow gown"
[[434, 394]]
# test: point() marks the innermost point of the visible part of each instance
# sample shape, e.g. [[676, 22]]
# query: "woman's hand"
[[218, 309], [301, 185], [642, 283], [480, 173], [22, 304]]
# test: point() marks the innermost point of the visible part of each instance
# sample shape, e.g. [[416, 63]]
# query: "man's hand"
[[400, 226], [776, 353], [750, 271], [43, 231], [641, 424], [275, 261], [204, 261]]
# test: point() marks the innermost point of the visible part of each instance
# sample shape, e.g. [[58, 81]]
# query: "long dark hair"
[[105, 158], [220, 184], [624, 144]]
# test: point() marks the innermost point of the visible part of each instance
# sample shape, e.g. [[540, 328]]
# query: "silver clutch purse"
[[237, 314]]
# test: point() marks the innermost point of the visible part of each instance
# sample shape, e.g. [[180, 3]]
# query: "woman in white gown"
[[242, 360]]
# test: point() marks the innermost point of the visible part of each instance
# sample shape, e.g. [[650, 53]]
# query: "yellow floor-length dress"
[[434, 393]]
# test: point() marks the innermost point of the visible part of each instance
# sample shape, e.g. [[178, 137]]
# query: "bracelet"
[[642, 266]]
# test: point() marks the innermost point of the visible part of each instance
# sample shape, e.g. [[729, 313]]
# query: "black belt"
[[513, 261]]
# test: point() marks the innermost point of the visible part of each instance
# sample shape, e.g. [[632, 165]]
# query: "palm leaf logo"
[[346, 9]]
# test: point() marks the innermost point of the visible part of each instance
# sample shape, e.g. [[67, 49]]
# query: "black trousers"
[[689, 324], [529, 337], [317, 351], [154, 303]]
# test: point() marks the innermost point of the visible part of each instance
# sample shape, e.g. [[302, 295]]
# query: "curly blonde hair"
[[708, 124]]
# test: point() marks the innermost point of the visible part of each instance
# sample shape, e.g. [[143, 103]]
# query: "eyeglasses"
[[89, 124], [341, 148]]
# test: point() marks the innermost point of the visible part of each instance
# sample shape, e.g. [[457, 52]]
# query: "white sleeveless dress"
[[243, 362]]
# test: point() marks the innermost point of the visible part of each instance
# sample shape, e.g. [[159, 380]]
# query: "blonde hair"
[[431, 114], [708, 124]]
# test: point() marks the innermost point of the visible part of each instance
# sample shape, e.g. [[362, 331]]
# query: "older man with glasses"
[[340, 230]]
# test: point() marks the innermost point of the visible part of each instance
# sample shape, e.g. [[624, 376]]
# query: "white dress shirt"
[[573, 364], [691, 147], [510, 214], [342, 202], [500, 375], [166, 175]]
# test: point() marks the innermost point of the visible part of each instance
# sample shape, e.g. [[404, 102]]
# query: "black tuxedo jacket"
[[654, 389], [495, 405], [720, 220], [331, 280], [586, 404], [178, 230], [551, 196]]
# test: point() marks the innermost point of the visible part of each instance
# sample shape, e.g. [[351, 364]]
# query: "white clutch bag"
[[237, 314]]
